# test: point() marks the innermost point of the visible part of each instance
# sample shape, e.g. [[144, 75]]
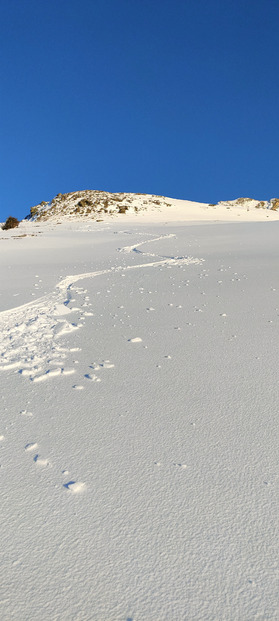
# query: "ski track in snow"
[[30, 333], [29, 338]]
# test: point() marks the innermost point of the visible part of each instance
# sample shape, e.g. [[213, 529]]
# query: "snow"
[[138, 449], [105, 206]]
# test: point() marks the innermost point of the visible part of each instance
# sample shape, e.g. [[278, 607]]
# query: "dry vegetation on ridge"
[[94, 204]]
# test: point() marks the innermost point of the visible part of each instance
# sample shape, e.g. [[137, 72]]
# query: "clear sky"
[[171, 97]]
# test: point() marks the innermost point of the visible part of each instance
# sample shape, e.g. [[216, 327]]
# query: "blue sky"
[[171, 97]]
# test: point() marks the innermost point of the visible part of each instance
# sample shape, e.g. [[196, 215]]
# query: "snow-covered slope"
[[139, 420], [103, 206]]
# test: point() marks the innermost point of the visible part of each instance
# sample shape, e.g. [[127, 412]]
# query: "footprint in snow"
[[92, 377], [45, 376], [180, 465], [31, 446], [68, 371], [42, 462], [75, 487], [106, 364]]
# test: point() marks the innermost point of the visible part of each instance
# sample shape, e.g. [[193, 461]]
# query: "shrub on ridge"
[[10, 223]]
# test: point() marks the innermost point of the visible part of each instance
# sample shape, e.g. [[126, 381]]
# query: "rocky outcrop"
[[94, 204], [251, 203]]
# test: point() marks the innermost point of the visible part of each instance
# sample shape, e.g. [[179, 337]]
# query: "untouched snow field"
[[139, 421]]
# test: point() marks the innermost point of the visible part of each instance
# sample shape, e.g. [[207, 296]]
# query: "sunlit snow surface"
[[139, 422]]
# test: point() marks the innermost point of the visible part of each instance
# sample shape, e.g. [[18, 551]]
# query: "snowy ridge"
[[95, 204], [102, 206], [250, 203]]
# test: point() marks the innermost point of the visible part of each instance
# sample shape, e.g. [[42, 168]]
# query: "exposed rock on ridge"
[[248, 203], [94, 204]]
